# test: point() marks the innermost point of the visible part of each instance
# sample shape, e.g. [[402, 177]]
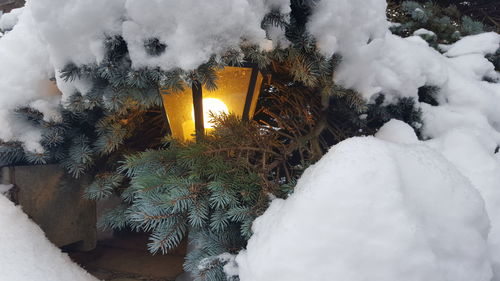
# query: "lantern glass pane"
[[230, 95], [179, 110]]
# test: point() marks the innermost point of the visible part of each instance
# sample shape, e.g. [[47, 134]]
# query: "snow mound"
[[25, 253], [397, 131], [373, 210], [484, 43], [473, 153]]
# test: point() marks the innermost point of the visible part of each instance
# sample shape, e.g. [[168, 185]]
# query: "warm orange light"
[[214, 106], [234, 85]]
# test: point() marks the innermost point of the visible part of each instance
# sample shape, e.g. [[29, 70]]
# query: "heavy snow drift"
[[374, 210]]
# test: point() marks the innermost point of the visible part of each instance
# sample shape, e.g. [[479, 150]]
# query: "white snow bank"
[[373, 210], [25, 253], [484, 43]]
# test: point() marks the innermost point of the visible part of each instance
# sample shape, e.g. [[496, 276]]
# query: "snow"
[[474, 66], [397, 131], [342, 26], [373, 210], [192, 29], [4, 188], [423, 32], [473, 153], [9, 20], [398, 67], [484, 43], [25, 253], [393, 65], [394, 24], [24, 67], [376, 200], [230, 267], [465, 126], [73, 30]]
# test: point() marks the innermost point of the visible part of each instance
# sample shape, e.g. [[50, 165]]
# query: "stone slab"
[[54, 200]]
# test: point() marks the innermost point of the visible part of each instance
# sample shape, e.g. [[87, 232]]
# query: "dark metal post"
[[200, 132], [198, 110], [250, 93]]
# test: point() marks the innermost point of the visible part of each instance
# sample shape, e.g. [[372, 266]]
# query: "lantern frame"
[[197, 100]]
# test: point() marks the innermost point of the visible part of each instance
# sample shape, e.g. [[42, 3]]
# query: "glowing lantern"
[[188, 113]]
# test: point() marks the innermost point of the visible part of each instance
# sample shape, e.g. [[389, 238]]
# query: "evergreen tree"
[[487, 11], [446, 22], [215, 188]]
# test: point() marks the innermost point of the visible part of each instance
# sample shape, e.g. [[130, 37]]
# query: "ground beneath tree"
[[126, 258]]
